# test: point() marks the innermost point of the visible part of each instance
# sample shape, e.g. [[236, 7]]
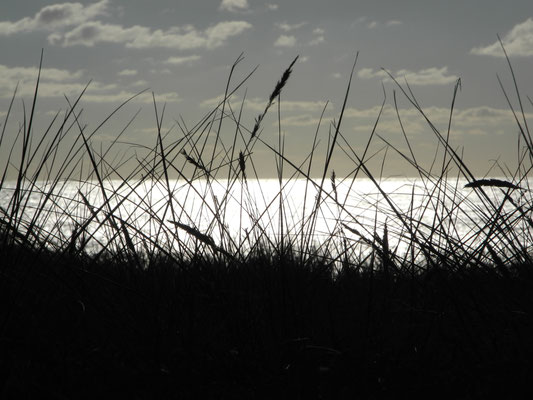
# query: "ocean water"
[[238, 214]]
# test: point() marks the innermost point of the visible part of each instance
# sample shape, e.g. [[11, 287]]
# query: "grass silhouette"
[[150, 303]]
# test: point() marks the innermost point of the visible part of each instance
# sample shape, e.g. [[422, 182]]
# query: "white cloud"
[[393, 22], [55, 16], [319, 37], [49, 86], [336, 75], [138, 83], [285, 27], [258, 104], [369, 73], [127, 72], [317, 40], [215, 101], [12, 75], [234, 5], [182, 60], [468, 121], [428, 76], [72, 24], [119, 97], [309, 106], [56, 83], [300, 120], [371, 24], [285, 41], [93, 32], [518, 42], [254, 104], [181, 38], [217, 35], [272, 7]]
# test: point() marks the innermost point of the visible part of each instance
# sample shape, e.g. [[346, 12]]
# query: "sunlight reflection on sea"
[[230, 212]]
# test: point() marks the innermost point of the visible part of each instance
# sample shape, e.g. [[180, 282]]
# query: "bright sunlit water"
[[237, 213]]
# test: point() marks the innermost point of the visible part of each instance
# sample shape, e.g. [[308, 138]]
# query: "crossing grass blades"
[[97, 300]]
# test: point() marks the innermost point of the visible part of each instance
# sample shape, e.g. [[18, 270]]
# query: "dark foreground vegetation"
[[110, 303], [269, 328]]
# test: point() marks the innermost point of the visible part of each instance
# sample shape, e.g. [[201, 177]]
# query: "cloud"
[[371, 24], [119, 97], [285, 41], [251, 104], [127, 72], [164, 71], [424, 77], [182, 60], [319, 37], [15, 74], [369, 73], [393, 22], [55, 16], [285, 27], [428, 76], [467, 121], [317, 40], [74, 24], [56, 83], [300, 120], [518, 42], [234, 5], [258, 104], [310, 106], [272, 7], [140, 82], [140, 37]]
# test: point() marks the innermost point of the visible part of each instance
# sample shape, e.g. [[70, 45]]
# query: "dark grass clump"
[[77, 327], [111, 291]]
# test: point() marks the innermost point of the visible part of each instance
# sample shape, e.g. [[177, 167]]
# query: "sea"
[[328, 215]]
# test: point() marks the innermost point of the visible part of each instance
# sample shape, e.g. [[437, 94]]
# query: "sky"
[[182, 51]]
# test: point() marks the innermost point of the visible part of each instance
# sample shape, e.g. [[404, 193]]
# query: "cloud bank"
[[481, 120], [518, 42], [423, 77], [139, 37], [234, 5], [57, 83], [73, 24], [55, 16]]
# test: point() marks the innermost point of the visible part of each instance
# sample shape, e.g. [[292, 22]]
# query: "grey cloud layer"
[[73, 24], [55, 16], [234, 5], [56, 83], [141, 37], [481, 120], [428, 76]]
